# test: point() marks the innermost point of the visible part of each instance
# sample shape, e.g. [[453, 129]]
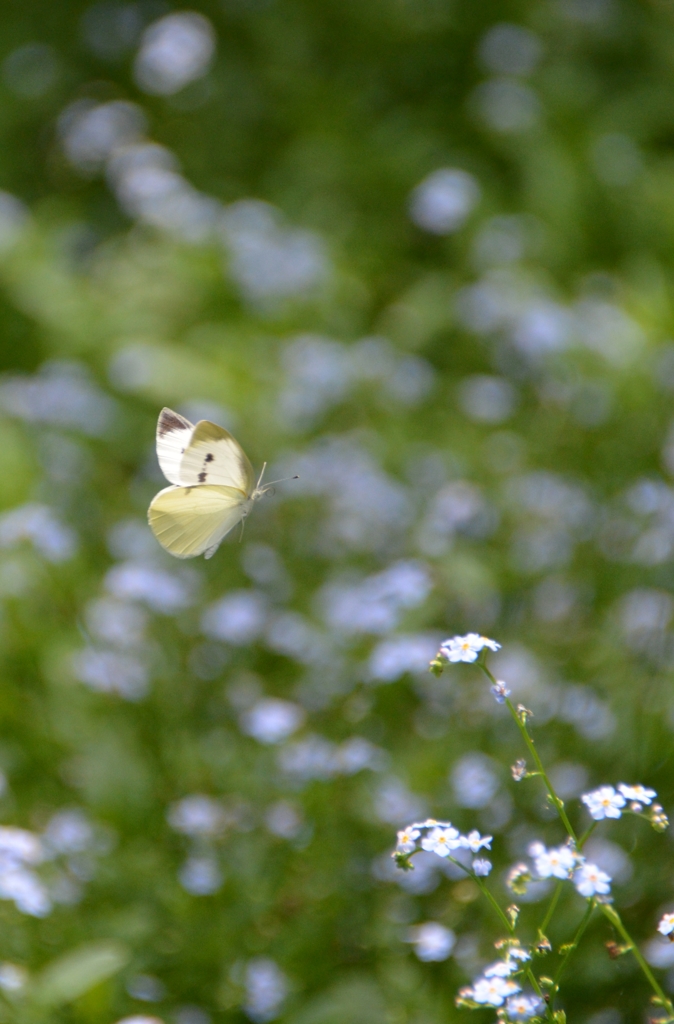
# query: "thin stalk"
[[586, 834], [616, 921], [551, 909], [537, 761], [576, 939]]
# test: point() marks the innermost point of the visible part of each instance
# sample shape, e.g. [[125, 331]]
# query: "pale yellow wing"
[[215, 457], [174, 433], [191, 521]]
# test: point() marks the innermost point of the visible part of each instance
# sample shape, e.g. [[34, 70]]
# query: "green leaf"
[[72, 975]]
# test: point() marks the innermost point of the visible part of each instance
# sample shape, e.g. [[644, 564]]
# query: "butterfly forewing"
[[191, 521], [215, 457], [174, 433]]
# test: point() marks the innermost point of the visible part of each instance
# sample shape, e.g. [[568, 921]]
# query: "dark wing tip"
[[170, 420]]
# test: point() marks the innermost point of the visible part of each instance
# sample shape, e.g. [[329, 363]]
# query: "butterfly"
[[213, 486]]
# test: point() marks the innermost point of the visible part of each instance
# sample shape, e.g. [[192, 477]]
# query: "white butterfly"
[[213, 486]]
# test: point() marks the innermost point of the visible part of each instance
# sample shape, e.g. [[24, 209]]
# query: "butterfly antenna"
[[264, 466], [243, 524], [283, 480]]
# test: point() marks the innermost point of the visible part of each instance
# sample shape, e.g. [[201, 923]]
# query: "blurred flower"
[[474, 841], [112, 672], [407, 838], [604, 803], [200, 876], [492, 991], [197, 815], [591, 881], [510, 50], [163, 591], [283, 819], [90, 132], [487, 399], [175, 50], [442, 202], [481, 866], [68, 831], [146, 988], [238, 618], [269, 260], [375, 604], [637, 793], [317, 758], [39, 525], [61, 394], [666, 925], [272, 720], [518, 878], [395, 803], [474, 780], [118, 623], [14, 219], [266, 990], [432, 941], [31, 70], [506, 106], [500, 691], [12, 977], [522, 1007], [394, 657]]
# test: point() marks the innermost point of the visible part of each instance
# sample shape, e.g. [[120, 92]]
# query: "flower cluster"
[[441, 838], [607, 802], [496, 986], [563, 862]]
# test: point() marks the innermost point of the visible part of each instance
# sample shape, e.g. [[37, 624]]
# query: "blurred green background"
[[420, 252]]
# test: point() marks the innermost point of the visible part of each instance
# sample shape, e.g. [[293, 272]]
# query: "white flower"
[[481, 866], [637, 793], [559, 862], [518, 953], [522, 1007], [474, 841], [499, 969], [493, 991], [591, 881], [604, 803], [407, 839], [441, 841], [666, 926], [466, 648], [432, 941]]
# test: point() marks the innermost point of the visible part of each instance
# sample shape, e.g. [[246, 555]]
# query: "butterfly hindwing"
[[174, 433], [191, 521], [215, 457]]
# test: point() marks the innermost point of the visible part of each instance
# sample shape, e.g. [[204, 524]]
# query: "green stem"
[[537, 761], [551, 909], [586, 835], [576, 939], [613, 916]]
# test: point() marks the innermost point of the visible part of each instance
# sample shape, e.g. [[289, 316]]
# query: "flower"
[[432, 941], [441, 841], [466, 648], [604, 803], [518, 953], [590, 880], [407, 839], [666, 926], [522, 1007], [559, 862], [474, 841], [500, 691], [481, 866], [493, 991], [499, 969], [639, 794]]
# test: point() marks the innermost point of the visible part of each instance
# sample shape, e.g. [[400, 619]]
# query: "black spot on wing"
[[202, 476], [209, 457]]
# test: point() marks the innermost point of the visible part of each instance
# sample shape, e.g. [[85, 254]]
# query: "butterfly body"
[[213, 487]]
